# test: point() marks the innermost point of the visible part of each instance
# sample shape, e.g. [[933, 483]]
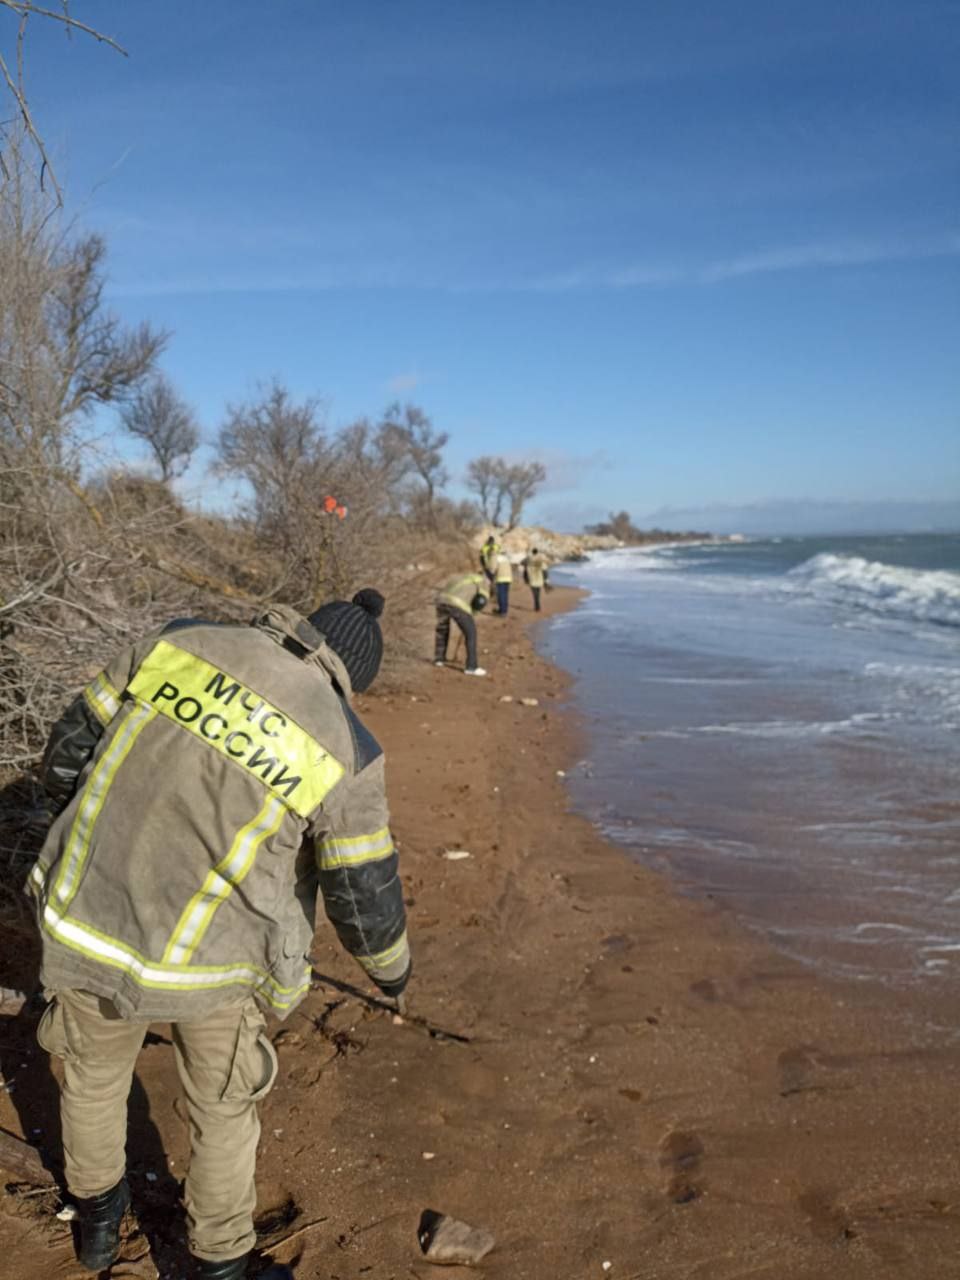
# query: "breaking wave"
[[919, 595]]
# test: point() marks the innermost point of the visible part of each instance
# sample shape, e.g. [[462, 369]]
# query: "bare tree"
[[13, 75], [500, 484], [274, 444], [483, 479], [520, 483], [164, 421], [377, 458], [617, 525], [62, 352], [410, 435], [293, 466]]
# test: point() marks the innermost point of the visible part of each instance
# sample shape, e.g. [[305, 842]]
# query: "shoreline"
[[640, 1081], [789, 777]]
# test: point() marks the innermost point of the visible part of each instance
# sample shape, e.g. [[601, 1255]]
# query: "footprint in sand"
[[801, 1069], [828, 1220], [680, 1159], [706, 990]]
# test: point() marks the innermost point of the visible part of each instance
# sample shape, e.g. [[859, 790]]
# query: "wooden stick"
[[307, 1226]]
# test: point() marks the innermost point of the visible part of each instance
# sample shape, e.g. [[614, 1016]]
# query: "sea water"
[[777, 723]]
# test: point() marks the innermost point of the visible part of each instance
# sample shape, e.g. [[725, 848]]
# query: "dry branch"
[[16, 84]]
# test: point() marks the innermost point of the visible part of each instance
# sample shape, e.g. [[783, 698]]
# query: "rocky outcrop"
[[555, 546]]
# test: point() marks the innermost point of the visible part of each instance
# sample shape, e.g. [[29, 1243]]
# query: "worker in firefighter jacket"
[[504, 576], [535, 574], [488, 557], [457, 601], [212, 777]]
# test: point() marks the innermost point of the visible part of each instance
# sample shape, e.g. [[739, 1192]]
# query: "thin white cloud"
[[267, 282], [841, 254], [800, 257], [403, 383], [630, 276]]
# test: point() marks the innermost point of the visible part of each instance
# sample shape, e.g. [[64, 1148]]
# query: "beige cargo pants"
[[226, 1064]]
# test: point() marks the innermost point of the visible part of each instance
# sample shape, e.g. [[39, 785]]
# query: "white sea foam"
[[627, 561], [934, 682], [780, 728], [919, 595]]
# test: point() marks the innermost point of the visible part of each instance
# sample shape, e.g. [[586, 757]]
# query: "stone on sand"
[[449, 1242]]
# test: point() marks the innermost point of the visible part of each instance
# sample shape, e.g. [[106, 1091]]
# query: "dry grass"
[[91, 569]]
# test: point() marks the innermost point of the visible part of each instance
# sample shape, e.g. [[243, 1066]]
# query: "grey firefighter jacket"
[[535, 569], [458, 592], [213, 776]]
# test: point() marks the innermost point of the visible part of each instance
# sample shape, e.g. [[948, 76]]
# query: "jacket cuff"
[[390, 966]]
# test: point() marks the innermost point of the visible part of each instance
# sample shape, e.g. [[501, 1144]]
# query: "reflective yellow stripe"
[[225, 876], [383, 959], [239, 723], [94, 794], [335, 851], [159, 976], [102, 698]]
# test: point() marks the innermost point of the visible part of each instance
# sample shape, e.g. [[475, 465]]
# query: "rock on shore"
[[555, 546]]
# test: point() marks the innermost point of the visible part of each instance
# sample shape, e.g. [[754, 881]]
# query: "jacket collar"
[[288, 628]]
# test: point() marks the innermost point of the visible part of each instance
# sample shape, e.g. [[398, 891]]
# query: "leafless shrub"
[[408, 435], [327, 504], [62, 353], [165, 422]]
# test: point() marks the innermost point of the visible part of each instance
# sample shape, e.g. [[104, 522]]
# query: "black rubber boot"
[[223, 1268], [236, 1269], [100, 1218]]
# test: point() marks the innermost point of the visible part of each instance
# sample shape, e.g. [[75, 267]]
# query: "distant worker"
[[504, 575], [457, 601], [213, 782], [535, 574], [488, 558]]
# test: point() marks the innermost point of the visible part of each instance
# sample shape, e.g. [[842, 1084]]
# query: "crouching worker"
[[457, 601], [212, 778]]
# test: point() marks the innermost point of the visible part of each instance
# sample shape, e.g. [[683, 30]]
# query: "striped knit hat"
[[353, 633]]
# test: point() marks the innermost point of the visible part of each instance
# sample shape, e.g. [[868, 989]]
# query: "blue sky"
[[692, 255]]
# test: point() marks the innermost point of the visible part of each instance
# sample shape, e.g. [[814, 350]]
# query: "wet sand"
[[635, 1080]]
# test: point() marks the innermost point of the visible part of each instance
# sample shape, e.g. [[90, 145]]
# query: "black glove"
[[398, 985]]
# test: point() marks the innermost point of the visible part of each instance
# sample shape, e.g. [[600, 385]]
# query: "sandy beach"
[[614, 1078]]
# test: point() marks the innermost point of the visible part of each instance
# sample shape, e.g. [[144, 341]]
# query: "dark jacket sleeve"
[[72, 742], [361, 889], [74, 737]]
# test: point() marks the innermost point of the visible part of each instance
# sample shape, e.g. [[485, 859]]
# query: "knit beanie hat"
[[353, 633]]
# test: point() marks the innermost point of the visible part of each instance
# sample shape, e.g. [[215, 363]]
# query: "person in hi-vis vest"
[[213, 782]]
